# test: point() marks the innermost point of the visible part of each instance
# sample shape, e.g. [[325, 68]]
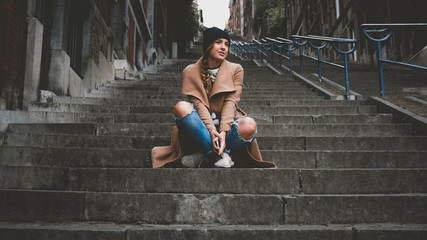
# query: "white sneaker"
[[224, 161], [193, 160]]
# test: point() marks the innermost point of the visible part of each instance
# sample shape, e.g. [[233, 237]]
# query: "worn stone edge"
[[322, 91], [400, 114], [357, 95], [110, 226]]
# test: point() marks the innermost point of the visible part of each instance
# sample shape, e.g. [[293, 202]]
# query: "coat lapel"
[[223, 80]]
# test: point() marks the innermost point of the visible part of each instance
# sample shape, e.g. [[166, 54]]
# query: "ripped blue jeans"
[[195, 131]]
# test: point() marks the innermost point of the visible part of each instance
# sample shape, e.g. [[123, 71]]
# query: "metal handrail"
[[387, 28], [269, 45], [283, 43], [264, 46], [394, 25], [324, 42]]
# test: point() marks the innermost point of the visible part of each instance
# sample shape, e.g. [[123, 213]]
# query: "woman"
[[210, 129]]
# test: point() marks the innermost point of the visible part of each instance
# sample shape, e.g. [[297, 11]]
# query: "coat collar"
[[192, 83], [224, 80]]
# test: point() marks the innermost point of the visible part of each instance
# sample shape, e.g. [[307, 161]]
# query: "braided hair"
[[204, 72]]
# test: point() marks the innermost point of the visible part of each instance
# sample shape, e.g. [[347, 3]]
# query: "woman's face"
[[219, 50]]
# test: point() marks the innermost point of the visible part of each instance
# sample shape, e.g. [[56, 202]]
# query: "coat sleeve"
[[231, 101], [203, 113]]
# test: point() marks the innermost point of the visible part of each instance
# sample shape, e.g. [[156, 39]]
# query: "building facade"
[[241, 17], [71, 47], [342, 18]]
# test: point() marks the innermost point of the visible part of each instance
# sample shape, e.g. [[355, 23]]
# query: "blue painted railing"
[[282, 43], [375, 29], [268, 47], [323, 42]]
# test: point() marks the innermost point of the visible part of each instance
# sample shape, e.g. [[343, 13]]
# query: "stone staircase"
[[344, 171]]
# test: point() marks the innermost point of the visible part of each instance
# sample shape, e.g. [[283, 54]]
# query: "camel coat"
[[223, 100]]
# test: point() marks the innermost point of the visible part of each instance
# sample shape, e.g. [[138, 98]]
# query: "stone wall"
[[12, 52]]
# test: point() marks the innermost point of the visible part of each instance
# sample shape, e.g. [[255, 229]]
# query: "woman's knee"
[[247, 128], [182, 108]]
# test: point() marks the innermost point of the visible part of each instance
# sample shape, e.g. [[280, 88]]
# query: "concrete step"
[[319, 119], [362, 208], [49, 128], [151, 208], [156, 85], [275, 181], [265, 118], [333, 159], [177, 86], [174, 96], [141, 158], [361, 130], [167, 91], [264, 129], [85, 141], [153, 95], [74, 157], [171, 102], [181, 208], [288, 110], [102, 230], [265, 143], [77, 117]]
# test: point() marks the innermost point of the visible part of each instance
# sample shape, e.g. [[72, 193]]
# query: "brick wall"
[[12, 49], [104, 7]]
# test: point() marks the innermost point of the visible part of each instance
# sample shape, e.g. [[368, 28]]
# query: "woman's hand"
[[218, 139]]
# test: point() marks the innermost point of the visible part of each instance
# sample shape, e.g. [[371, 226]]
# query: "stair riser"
[[265, 143], [63, 234], [82, 157], [72, 231], [114, 142], [217, 208], [273, 130], [326, 119], [338, 159], [174, 96], [247, 102], [197, 233], [261, 110], [168, 118], [163, 129], [283, 181], [332, 209], [148, 208], [176, 88], [75, 157]]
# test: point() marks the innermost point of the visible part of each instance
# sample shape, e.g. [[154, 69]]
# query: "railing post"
[[290, 50], [347, 88], [319, 65], [387, 29], [381, 69], [319, 59], [272, 53], [301, 59], [295, 40]]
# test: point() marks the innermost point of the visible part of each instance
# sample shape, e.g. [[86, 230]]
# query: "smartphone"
[[217, 144]]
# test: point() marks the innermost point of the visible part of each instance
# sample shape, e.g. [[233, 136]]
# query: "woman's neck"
[[212, 63]]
